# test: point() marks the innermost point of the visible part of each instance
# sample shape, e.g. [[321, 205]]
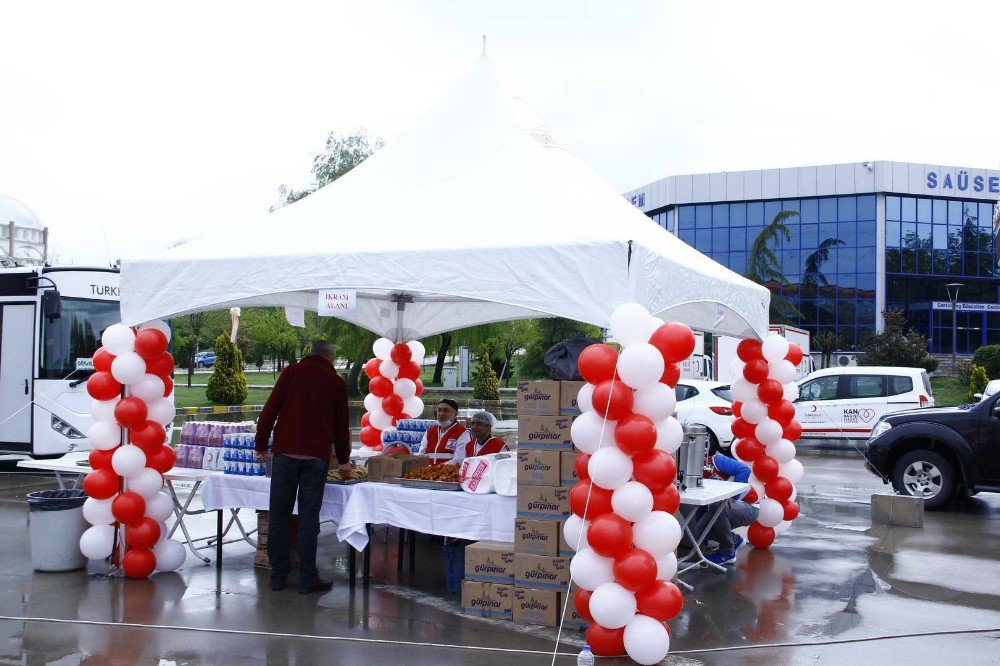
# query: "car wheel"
[[200, 365], [713, 444], [925, 474]]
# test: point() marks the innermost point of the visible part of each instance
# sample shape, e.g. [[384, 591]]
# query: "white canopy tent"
[[476, 215]]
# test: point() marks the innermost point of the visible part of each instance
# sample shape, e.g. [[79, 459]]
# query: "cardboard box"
[[389, 468], [567, 468], [546, 502], [567, 397], [539, 398], [487, 599], [537, 537], [534, 606], [490, 561], [541, 571], [574, 620], [538, 467], [544, 432]]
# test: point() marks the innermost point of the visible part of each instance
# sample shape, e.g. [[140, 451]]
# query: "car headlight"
[[65, 429], [880, 428]]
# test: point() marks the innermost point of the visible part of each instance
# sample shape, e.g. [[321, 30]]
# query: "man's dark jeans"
[[307, 479]]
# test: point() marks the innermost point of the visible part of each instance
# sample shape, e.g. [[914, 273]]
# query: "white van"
[[846, 403]]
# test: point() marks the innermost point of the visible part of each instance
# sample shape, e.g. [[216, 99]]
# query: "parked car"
[[992, 388], [709, 404], [938, 453], [204, 359], [844, 404]]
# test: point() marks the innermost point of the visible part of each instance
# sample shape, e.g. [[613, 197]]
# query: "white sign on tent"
[[336, 302]]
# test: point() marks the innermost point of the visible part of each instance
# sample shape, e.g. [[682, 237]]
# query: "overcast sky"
[[148, 122]]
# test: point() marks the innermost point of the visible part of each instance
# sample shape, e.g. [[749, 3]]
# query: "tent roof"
[[477, 214]]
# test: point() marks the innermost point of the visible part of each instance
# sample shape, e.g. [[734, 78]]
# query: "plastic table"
[[713, 491]]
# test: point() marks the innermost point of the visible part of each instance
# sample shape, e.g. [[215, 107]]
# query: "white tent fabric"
[[476, 215]]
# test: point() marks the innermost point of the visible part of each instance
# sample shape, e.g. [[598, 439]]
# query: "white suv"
[[709, 404], [845, 403]]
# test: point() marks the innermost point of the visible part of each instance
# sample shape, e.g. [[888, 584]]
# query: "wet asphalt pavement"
[[832, 590]]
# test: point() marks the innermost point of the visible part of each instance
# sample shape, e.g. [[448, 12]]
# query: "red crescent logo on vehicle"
[[814, 408]]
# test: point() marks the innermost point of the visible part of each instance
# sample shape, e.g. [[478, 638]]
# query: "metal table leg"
[[696, 549], [352, 564], [399, 552], [180, 511], [413, 551], [218, 540], [367, 565]]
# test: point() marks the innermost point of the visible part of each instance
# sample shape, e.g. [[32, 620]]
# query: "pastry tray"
[[430, 485], [347, 483]]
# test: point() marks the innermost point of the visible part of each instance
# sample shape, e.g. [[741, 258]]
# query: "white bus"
[[51, 320]]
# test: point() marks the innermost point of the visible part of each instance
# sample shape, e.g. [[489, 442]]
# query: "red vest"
[[492, 445], [442, 451]]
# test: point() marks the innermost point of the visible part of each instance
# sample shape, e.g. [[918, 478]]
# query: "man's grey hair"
[[323, 348]]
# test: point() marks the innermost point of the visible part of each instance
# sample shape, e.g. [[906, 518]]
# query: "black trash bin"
[[56, 524]]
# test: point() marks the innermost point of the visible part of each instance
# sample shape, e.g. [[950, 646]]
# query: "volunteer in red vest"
[[482, 442], [440, 442]]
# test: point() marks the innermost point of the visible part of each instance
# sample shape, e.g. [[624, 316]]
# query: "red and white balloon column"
[[394, 389], [129, 453], [767, 429], [623, 504]]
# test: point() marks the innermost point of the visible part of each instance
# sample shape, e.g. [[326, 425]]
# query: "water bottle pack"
[[244, 468], [415, 425], [202, 442]]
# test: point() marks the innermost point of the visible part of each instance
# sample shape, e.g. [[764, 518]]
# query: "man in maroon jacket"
[[309, 403]]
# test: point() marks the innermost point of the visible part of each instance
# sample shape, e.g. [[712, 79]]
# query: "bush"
[[963, 370], [930, 364], [487, 385], [978, 382], [895, 346], [988, 358], [227, 384]]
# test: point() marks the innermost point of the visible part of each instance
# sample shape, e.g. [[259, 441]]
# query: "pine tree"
[[487, 385], [227, 384]]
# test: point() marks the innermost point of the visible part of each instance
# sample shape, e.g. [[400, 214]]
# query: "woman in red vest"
[[482, 442], [441, 442]]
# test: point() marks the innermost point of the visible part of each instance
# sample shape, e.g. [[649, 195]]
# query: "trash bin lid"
[[55, 500]]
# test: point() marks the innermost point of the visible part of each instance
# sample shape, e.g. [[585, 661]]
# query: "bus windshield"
[[70, 341]]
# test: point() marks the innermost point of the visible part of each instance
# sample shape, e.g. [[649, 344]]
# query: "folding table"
[[713, 491]]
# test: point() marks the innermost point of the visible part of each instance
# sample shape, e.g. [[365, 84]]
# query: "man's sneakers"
[[739, 542], [724, 559], [319, 585]]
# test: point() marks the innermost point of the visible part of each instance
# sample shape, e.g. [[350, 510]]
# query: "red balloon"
[[751, 497], [395, 448], [792, 431], [671, 375], [131, 412], [581, 602], [162, 459], [392, 405], [370, 436], [742, 428], [128, 507], [756, 371], [655, 469], [635, 434], [148, 436], [791, 510], [606, 642], [168, 386], [674, 340], [101, 483], [420, 386], [737, 408], [597, 363], [610, 535], [600, 499], [371, 368], [635, 569], [380, 387], [102, 386], [770, 392], [409, 370], [138, 563], [668, 499], [580, 465], [760, 536], [102, 360], [143, 533], [150, 343], [783, 412], [661, 600], [366, 419], [779, 489], [612, 399], [794, 355], [101, 459], [749, 449], [400, 353], [161, 365], [749, 350], [765, 468]]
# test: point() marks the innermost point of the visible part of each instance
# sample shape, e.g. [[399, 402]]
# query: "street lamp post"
[[953, 288]]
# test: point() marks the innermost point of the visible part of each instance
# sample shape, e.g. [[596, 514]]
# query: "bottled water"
[[586, 657]]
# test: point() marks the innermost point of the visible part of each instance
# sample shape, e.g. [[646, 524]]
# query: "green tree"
[[988, 358], [511, 337], [894, 345], [193, 332], [341, 154], [977, 383], [548, 333], [487, 387], [826, 343], [354, 344], [227, 385], [764, 268]]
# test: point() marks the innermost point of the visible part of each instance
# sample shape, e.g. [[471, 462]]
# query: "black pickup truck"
[[940, 452]]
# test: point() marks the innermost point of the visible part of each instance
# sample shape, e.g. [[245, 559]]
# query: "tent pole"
[[400, 305]]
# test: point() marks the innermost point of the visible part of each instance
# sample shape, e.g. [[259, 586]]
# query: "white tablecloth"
[[229, 491]]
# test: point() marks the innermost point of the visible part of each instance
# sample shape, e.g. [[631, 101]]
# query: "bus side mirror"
[[51, 304]]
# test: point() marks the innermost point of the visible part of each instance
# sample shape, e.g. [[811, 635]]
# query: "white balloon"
[[656, 402], [105, 435], [632, 501], [610, 467], [736, 368], [756, 484], [169, 554], [97, 541], [590, 570], [163, 532], [768, 431], [128, 368], [118, 339], [774, 348], [159, 325], [666, 566], [612, 605], [791, 392], [590, 432], [149, 388], [782, 451], [162, 411], [128, 460], [147, 482], [669, 434], [743, 390], [388, 369], [753, 411], [646, 640], [640, 365], [417, 351], [585, 398], [413, 407], [159, 507], [791, 470], [379, 419], [771, 513], [372, 402], [631, 323], [382, 349], [795, 492], [782, 371], [575, 533], [405, 389], [104, 410], [782, 526], [98, 512], [658, 533]]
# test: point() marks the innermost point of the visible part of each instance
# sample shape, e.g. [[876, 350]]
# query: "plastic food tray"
[[430, 485]]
